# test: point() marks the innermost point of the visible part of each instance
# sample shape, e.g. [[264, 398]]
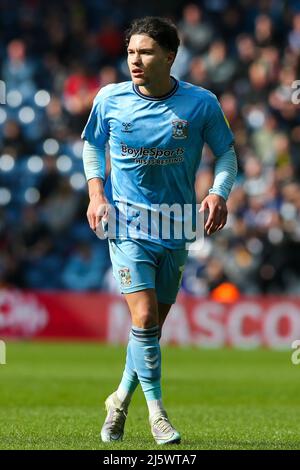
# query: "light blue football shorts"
[[142, 264]]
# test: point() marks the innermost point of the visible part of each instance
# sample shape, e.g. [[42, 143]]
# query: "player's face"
[[147, 61]]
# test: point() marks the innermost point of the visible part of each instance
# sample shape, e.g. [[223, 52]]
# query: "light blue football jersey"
[[155, 147]]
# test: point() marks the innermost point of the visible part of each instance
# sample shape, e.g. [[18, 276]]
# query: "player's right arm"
[[96, 134], [98, 205]]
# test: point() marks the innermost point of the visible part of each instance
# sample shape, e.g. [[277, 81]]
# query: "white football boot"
[[113, 427], [162, 430]]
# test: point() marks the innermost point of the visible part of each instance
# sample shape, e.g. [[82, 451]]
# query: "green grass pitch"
[[52, 397]]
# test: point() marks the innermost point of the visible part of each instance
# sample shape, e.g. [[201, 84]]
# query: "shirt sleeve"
[[217, 133], [96, 135], [96, 131]]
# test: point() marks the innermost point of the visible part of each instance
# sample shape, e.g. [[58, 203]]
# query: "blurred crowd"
[[55, 56]]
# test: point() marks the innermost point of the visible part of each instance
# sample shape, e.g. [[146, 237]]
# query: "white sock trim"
[[155, 406], [123, 395]]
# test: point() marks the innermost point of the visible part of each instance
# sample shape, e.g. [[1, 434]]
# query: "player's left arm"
[[218, 136], [215, 202]]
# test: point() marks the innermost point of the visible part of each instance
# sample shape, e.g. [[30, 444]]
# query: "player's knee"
[[145, 319]]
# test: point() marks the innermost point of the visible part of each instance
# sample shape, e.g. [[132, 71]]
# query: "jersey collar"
[[155, 98]]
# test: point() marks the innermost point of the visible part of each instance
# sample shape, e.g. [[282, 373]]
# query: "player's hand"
[[217, 213], [98, 209]]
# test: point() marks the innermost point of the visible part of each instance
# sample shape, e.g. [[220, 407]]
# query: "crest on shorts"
[[179, 129], [125, 277]]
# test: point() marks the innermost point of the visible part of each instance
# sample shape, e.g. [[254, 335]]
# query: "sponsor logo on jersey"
[[127, 127], [151, 152], [179, 129]]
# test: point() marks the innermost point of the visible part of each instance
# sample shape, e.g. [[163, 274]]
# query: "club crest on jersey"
[[125, 277], [179, 129]]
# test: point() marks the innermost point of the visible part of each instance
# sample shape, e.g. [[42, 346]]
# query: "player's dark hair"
[[162, 30]]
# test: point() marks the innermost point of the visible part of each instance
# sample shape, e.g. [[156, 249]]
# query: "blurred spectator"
[[198, 73], [39, 263], [280, 99], [110, 40], [229, 106], [264, 31], [263, 140], [220, 67], [214, 273], [13, 139], [58, 120], [60, 207], [247, 53], [294, 35], [80, 89], [259, 86], [85, 269], [50, 179], [108, 74], [196, 32], [181, 64], [18, 71]]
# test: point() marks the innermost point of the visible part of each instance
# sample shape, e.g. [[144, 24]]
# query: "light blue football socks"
[[130, 379], [147, 360], [143, 365]]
